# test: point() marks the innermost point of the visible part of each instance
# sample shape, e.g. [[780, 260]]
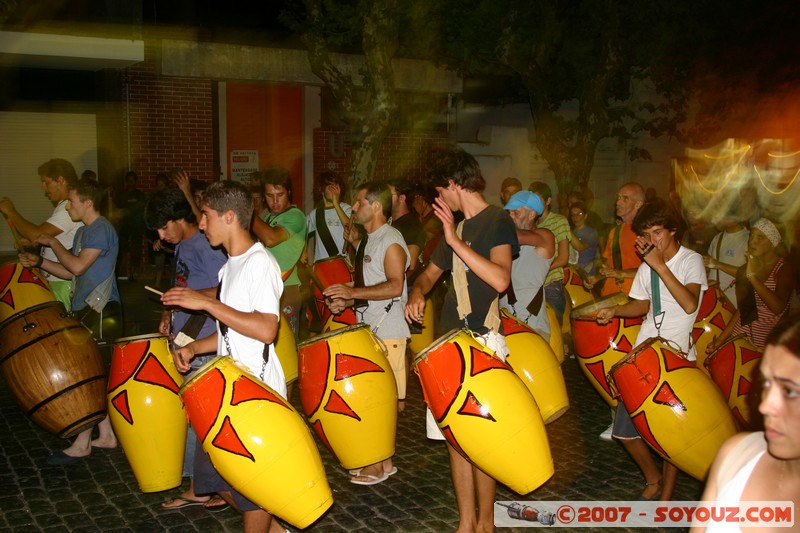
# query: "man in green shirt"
[[283, 232]]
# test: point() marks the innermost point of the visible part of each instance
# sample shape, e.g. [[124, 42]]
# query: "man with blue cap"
[[525, 296]]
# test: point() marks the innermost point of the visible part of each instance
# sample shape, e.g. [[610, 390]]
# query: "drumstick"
[[15, 234], [151, 289], [349, 228]]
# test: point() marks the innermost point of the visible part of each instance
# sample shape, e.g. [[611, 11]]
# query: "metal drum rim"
[[332, 333], [218, 360], [712, 355], [439, 342], [31, 309], [134, 338], [617, 298]]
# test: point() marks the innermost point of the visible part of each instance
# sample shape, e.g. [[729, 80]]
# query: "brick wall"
[[171, 122], [400, 154]]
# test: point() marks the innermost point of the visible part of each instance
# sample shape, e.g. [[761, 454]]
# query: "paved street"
[[101, 494]]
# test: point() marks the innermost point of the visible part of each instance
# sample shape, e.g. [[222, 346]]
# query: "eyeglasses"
[[578, 214]]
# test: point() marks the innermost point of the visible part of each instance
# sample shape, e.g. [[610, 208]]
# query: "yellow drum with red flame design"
[[599, 347], [675, 406], [556, 339], [146, 411], [286, 349], [733, 367], [573, 287], [21, 288], [532, 360], [714, 314], [349, 394], [485, 411], [257, 442]]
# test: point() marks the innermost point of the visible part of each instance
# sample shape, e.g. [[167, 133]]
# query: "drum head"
[[590, 309], [438, 342], [331, 334], [217, 361]]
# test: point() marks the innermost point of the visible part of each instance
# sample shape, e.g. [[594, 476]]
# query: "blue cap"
[[525, 199]]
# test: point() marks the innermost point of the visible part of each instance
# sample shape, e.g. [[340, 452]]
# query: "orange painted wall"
[[268, 118]]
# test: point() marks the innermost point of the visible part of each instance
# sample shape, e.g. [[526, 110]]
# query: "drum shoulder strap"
[[323, 232]]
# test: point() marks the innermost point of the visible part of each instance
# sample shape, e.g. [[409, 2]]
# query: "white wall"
[[29, 139]]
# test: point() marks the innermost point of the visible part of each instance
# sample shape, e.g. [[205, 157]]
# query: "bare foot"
[[108, 443]]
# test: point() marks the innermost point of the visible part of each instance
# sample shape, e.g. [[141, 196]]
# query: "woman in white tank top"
[[765, 465]]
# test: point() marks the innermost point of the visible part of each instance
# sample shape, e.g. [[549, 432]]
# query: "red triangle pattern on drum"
[[750, 355], [227, 439], [696, 332], [707, 303], [28, 276], [6, 273], [674, 363], [473, 407], [666, 396], [511, 325], [246, 389], [320, 431], [598, 371], [448, 434], [8, 299], [126, 360], [643, 427], [743, 387], [624, 344], [203, 409], [120, 403], [313, 363], [740, 420], [154, 373], [719, 320], [483, 362], [348, 365], [337, 405]]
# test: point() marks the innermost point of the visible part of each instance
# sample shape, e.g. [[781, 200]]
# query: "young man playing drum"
[[480, 252], [197, 265], [247, 312], [58, 177], [381, 262], [666, 290], [95, 300]]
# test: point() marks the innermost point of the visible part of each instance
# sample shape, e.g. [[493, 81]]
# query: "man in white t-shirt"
[[666, 290], [58, 177], [247, 313]]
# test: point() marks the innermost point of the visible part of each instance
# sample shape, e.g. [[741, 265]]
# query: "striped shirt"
[[760, 328]]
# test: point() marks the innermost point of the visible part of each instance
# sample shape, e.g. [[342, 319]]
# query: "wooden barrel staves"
[[53, 369]]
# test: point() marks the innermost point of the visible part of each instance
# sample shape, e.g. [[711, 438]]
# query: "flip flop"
[[183, 502], [391, 472], [357, 472], [370, 480], [218, 505]]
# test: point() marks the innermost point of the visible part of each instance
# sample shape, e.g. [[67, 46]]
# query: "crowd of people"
[[242, 256]]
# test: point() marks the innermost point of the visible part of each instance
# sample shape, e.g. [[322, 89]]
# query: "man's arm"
[[394, 267], [422, 286], [77, 265], [254, 324], [542, 239], [268, 235], [631, 309], [27, 229], [562, 257]]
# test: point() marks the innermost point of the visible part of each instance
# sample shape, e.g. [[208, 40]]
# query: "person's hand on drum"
[[608, 272], [44, 239], [336, 306], [163, 325], [590, 282], [339, 291], [604, 316], [415, 307], [182, 357], [29, 260]]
